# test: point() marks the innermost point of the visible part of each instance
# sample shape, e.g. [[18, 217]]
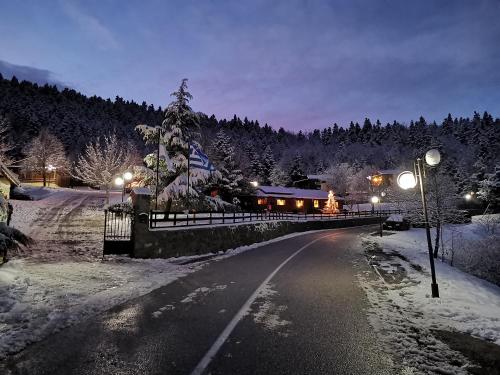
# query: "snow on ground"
[[403, 311], [38, 298]]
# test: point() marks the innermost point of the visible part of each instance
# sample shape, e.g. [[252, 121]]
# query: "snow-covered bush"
[[123, 207]]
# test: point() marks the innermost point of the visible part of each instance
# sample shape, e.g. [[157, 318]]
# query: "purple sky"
[[296, 64]]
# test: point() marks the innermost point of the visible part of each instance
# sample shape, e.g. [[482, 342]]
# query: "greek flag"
[[197, 159]]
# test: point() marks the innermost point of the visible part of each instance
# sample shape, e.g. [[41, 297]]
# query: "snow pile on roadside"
[[39, 299], [404, 313], [473, 248]]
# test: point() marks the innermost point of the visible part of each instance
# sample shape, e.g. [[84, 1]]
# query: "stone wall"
[[166, 243]]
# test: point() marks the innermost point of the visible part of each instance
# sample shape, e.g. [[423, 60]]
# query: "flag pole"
[[157, 168], [189, 157]]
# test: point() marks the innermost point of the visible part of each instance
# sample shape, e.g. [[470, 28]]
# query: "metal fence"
[[161, 219], [118, 235]]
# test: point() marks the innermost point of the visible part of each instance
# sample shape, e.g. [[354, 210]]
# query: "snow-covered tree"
[[10, 238], [45, 152], [489, 187], [341, 175], [267, 164], [229, 183], [179, 129], [102, 161], [5, 145], [279, 177], [295, 171]]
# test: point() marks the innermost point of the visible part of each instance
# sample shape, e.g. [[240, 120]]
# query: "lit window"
[[299, 203], [262, 201], [316, 203], [280, 202]]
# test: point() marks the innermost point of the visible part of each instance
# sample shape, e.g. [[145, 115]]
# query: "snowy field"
[[402, 310]]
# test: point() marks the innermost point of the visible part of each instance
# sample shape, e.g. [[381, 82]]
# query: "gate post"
[[141, 202]]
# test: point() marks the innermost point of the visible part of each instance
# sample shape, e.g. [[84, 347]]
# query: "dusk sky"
[[296, 64]]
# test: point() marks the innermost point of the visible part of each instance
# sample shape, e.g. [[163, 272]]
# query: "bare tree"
[[44, 153], [103, 159], [5, 145]]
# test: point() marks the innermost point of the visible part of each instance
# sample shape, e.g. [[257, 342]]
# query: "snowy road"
[[288, 307], [66, 224]]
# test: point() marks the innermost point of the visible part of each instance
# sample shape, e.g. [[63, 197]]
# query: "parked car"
[[397, 222]]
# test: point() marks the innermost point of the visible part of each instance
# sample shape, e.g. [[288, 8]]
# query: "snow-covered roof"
[[142, 191], [11, 176], [389, 171], [320, 177], [286, 192]]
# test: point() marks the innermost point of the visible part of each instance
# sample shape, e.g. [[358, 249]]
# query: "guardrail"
[[162, 219]]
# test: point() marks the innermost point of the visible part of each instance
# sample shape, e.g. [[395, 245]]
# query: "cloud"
[[29, 73], [91, 26]]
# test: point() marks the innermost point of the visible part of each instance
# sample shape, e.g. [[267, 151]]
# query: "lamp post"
[[374, 201], [122, 181], [51, 168], [408, 180]]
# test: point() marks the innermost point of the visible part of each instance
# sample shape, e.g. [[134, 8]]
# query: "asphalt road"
[[290, 307]]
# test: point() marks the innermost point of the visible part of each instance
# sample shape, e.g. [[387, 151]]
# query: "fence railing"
[[162, 219]]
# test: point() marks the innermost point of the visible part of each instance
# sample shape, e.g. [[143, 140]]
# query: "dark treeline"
[[469, 145]]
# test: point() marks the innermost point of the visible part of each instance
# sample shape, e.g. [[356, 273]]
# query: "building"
[[383, 178], [285, 199], [8, 180]]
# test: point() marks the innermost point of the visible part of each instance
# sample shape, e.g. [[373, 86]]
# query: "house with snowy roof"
[[288, 199]]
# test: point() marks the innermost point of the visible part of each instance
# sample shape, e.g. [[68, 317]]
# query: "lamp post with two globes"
[[123, 180], [408, 180]]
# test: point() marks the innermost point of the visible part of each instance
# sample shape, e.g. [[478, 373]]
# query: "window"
[[262, 201], [316, 203], [299, 203], [280, 202]]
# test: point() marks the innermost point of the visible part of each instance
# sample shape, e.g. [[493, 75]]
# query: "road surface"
[[290, 307]]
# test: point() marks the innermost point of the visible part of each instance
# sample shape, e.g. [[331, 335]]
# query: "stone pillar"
[[141, 202]]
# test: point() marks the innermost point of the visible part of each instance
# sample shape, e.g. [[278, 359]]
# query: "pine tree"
[[295, 171], [223, 156], [279, 177], [178, 131], [267, 165], [489, 187]]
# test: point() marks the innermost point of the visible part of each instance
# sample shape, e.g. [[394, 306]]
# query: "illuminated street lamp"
[[122, 181], [127, 176], [408, 180], [119, 181], [52, 168], [254, 183], [375, 200], [468, 196]]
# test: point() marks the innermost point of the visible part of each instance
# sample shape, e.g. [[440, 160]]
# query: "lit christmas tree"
[[331, 207]]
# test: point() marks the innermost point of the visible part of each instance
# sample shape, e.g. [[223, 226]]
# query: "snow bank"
[[404, 313]]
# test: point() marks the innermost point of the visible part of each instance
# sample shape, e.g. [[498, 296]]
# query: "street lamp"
[[122, 181], [51, 168], [468, 196], [374, 201], [408, 180], [254, 183]]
